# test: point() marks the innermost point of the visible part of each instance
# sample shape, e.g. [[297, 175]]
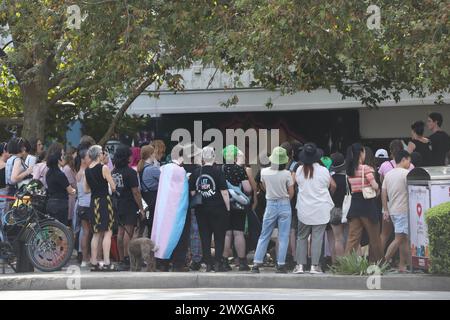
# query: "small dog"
[[142, 249]]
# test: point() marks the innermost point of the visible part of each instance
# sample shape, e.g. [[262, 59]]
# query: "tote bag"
[[347, 201]]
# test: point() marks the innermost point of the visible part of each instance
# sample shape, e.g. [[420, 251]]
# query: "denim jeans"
[[278, 212]]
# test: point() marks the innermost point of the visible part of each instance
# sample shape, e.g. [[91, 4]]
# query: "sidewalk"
[[64, 280]]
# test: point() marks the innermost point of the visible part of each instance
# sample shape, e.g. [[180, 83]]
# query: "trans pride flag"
[[171, 209]]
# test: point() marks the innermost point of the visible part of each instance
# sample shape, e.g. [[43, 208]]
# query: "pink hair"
[[136, 156]]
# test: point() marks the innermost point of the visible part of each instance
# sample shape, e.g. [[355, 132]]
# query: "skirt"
[[102, 214], [361, 207]]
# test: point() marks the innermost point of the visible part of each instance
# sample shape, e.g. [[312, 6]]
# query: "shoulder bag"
[[368, 192], [197, 198]]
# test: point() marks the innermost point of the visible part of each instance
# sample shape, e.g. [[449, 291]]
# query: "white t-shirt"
[[277, 183], [395, 184], [314, 201]]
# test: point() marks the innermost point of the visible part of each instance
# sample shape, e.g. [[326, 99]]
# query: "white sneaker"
[[298, 269], [315, 270], [83, 264]]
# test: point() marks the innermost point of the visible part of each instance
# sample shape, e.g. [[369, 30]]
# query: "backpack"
[[238, 199]]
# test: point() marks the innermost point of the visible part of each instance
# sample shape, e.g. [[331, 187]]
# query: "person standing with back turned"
[[440, 141]]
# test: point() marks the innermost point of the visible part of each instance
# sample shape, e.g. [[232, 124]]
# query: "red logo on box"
[[419, 209]]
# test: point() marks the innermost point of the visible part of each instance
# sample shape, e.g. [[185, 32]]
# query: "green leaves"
[[353, 264], [438, 223]]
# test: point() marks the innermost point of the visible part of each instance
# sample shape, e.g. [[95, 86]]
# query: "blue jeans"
[[278, 212]]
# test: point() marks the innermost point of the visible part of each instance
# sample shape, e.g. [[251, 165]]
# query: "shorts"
[[400, 222], [84, 213], [237, 220], [127, 213]]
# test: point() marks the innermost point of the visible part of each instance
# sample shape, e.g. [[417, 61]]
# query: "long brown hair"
[[146, 152], [308, 171]]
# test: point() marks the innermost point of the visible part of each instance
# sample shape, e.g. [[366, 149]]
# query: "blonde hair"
[[160, 148], [146, 152]]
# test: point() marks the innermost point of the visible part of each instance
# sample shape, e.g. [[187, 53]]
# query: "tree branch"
[[63, 93], [124, 107]]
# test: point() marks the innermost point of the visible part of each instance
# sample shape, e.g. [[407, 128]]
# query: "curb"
[[142, 280]]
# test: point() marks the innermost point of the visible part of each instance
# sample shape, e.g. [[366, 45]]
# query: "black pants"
[[59, 209], [212, 220], [150, 200], [180, 252], [23, 262]]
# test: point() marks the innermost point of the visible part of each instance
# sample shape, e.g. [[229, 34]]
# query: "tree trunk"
[[35, 107]]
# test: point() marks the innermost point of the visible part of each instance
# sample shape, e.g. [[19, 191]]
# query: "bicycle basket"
[[35, 193]]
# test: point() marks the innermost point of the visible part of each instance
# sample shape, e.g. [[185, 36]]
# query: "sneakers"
[[315, 270], [195, 266], [109, 268], [218, 267], [226, 265], [298, 269], [255, 269], [281, 269], [209, 268]]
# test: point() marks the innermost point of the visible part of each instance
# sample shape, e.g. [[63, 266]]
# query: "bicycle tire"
[[58, 246]]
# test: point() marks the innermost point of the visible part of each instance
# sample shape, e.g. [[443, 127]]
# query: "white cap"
[[382, 154]]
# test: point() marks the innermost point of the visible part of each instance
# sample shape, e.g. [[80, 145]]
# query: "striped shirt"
[[356, 181]]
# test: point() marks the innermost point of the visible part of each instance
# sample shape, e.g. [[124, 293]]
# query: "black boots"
[[243, 266]]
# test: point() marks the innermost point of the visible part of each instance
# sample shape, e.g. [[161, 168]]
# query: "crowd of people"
[[203, 211]]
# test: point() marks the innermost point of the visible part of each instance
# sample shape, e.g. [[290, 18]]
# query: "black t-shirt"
[[190, 168], [234, 173], [440, 146], [341, 189], [424, 149], [125, 179], [209, 184], [56, 184]]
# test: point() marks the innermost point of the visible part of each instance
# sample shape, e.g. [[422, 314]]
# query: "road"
[[224, 294]]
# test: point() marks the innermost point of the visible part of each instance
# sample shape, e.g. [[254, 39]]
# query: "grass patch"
[[354, 264]]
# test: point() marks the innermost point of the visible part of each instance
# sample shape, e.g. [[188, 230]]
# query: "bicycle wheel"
[[50, 246]]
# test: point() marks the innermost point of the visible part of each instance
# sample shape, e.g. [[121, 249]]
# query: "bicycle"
[[48, 243]]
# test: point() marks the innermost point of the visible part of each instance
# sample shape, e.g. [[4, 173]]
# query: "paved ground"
[[225, 294]]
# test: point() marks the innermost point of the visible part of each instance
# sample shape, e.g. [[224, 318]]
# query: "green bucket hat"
[[230, 152], [279, 156], [327, 162]]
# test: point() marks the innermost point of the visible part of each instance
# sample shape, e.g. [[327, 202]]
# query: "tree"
[[305, 45], [124, 46], [120, 49]]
